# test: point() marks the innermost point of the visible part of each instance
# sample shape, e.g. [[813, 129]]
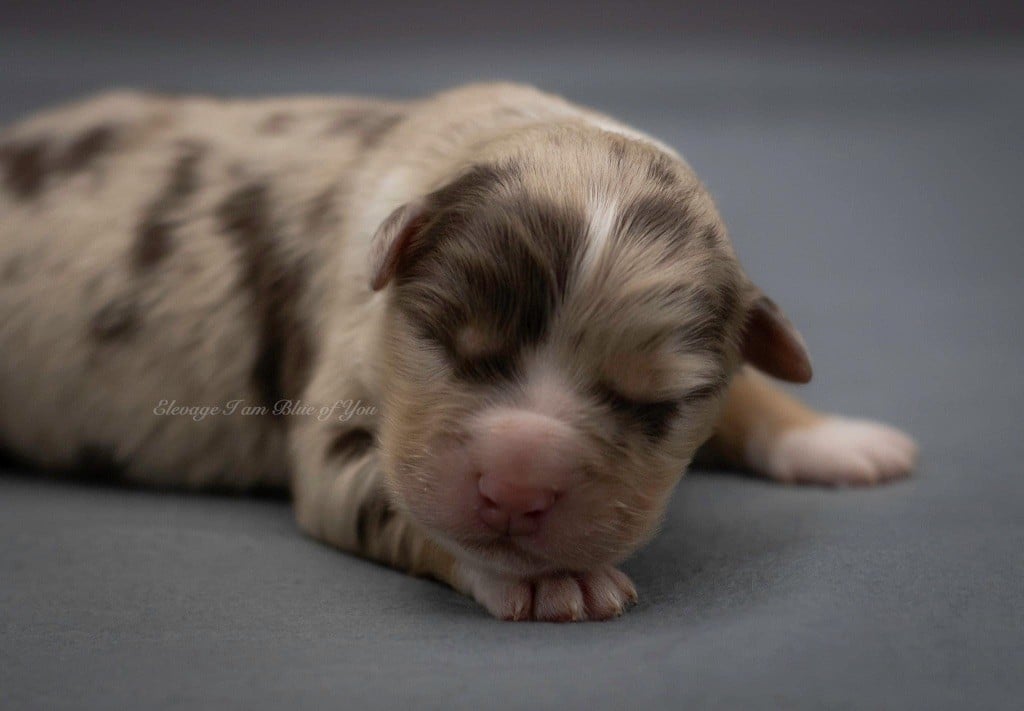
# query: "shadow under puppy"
[[480, 336]]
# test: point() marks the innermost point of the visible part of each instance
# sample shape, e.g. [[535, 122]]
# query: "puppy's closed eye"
[[484, 369], [651, 417]]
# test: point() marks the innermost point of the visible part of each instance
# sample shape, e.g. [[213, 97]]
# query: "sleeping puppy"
[[480, 336]]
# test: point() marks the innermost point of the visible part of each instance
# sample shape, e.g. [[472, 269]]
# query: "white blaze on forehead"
[[602, 213], [547, 391]]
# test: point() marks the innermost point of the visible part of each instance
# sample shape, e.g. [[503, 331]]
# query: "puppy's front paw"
[[837, 451], [595, 595]]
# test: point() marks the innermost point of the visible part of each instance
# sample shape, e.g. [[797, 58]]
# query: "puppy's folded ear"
[[772, 344], [393, 239]]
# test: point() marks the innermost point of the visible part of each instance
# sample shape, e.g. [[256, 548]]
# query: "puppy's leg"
[[340, 499], [766, 431]]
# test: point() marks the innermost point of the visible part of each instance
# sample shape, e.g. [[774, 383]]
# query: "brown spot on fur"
[[710, 236], [118, 319], [184, 176], [370, 124], [618, 150], [84, 150], [658, 216], [350, 444], [24, 167], [661, 171], [475, 185], [319, 210], [285, 348], [155, 233], [710, 313], [152, 242], [374, 514]]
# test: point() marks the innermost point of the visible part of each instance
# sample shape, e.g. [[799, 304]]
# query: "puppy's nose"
[[525, 460], [516, 510]]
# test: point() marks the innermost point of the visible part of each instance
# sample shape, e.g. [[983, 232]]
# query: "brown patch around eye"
[[708, 390], [489, 270], [635, 375], [493, 369]]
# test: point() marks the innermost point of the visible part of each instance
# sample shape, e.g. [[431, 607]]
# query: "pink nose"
[[525, 461], [511, 509]]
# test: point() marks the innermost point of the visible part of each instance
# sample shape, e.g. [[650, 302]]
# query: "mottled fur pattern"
[[151, 254], [523, 252]]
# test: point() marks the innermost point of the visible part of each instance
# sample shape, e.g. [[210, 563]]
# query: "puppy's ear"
[[392, 239], [771, 343]]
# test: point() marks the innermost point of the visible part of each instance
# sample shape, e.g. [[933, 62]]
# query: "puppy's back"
[[160, 249]]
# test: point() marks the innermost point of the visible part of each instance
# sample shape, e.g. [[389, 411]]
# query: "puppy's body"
[[159, 253], [203, 251]]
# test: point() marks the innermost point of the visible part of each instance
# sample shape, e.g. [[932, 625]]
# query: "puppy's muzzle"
[[524, 462]]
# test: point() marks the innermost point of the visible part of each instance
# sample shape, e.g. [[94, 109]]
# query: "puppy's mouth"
[[512, 554], [544, 551]]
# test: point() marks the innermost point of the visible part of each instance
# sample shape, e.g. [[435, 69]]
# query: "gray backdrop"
[[872, 186]]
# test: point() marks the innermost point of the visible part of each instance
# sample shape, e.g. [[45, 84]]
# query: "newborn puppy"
[[480, 335]]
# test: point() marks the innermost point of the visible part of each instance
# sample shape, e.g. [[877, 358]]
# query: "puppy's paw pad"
[[841, 452]]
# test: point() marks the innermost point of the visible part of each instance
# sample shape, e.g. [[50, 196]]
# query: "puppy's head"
[[562, 322]]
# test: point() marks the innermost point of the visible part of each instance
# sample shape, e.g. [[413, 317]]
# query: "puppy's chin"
[[507, 556], [526, 556]]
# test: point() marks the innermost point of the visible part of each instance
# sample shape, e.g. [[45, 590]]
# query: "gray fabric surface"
[[874, 192]]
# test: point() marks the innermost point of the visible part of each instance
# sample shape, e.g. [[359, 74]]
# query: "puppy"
[[480, 336]]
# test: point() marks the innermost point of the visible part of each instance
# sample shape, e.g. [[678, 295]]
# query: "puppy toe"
[[558, 599], [606, 593], [505, 598]]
